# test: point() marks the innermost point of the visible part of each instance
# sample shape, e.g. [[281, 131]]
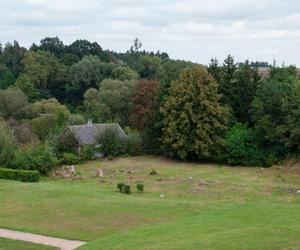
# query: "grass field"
[[7, 244], [205, 206]]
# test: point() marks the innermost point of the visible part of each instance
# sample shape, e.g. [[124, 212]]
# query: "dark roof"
[[88, 133]]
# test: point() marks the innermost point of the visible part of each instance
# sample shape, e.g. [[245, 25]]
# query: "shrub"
[[29, 175], [87, 153], [242, 147], [120, 186], [140, 187], [76, 119], [126, 189], [21, 175], [111, 143], [39, 157], [7, 144], [70, 159], [134, 143], [9, 174]]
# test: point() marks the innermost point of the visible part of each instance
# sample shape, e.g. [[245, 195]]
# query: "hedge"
[[19, 175]]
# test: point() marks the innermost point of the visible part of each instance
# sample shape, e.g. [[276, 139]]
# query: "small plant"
[[140, 187], [153, 172], [120, 186], [126, 189], [70, 159]]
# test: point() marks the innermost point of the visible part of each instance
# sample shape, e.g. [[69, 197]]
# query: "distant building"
[[80, 135]]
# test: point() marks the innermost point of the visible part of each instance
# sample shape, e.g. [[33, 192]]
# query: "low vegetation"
[[185, 205], [19, 175]]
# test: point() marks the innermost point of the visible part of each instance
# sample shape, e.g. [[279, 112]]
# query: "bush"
[[7, 145], [140, 187], [39, 157], [134, 143], [111, 143], [70, 159], [120, 186], [29, 175], [242, 147], [126, 189], [87, 153], [21, 175], [9, 174]]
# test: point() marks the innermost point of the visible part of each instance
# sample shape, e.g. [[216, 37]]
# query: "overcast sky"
[[193, 30]]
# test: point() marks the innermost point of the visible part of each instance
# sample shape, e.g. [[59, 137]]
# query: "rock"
[[66, 172], [162, 196], [203, 183], [100, 172], [298, 191], [190, 177], [153, 172]]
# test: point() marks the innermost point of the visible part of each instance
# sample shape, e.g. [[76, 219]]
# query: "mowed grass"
[[205, 206], [7, 244]]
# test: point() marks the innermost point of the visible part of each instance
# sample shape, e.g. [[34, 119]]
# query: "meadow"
[[185, 206]]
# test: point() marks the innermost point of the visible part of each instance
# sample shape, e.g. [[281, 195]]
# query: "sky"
[[192, 30]]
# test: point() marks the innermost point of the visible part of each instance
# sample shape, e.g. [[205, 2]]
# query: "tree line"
[[223, 111]]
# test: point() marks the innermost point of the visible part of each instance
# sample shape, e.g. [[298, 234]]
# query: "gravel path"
[[39, 239]]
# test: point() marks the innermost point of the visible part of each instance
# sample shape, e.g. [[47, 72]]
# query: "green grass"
[[7, 244], [219, 207]]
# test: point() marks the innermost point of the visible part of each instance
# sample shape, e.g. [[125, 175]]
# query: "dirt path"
[[39, 239]]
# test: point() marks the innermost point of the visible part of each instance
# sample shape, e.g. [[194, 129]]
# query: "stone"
[[100, 172], [190, 177], [298, 191], [162, 196]]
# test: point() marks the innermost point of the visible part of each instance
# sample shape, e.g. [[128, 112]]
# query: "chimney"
[[90, 122]]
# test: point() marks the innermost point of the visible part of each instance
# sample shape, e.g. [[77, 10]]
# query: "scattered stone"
[[100, 172], [162, 196], [190, 177], [66, 172], [204, 183], [298, 191], [153, 172]]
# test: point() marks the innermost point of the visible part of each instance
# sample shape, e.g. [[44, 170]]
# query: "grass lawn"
[[205, 206], [7, 244]]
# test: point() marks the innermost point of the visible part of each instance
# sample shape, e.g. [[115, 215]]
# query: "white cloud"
[[186, 29]]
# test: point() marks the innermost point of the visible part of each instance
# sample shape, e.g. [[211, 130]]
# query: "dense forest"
[[223, 112]]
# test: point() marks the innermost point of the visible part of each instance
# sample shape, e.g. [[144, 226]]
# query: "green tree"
[[6, 77], [87, 73], [124, 73], [151, 67], [274, 105], [27, 87], [12, 100], [215, 69], [12, 56], [113, 101], [246, 82], [194, 122], [227, 82], [52, 117], [52, 44], [82, 48]]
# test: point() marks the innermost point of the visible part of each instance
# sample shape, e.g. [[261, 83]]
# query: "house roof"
[[88, 133]]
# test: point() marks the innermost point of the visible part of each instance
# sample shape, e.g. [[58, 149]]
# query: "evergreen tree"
[[194, 121]]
